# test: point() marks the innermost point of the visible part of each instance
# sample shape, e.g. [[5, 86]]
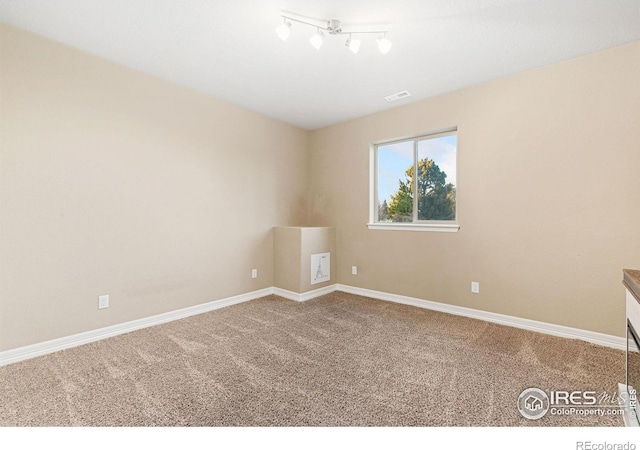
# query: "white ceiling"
[[229, 49]]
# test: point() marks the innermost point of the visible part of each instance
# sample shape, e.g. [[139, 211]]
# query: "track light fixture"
[[353, 44], [284, 30], [316, 39], [333, 28], [384, 44]]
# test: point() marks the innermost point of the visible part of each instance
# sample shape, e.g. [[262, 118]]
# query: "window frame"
[[416, 225]]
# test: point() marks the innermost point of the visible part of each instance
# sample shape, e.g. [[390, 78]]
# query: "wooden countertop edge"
[[631, 279]]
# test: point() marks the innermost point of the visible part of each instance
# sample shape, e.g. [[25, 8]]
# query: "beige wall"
[[548, 199], [114, 182], [287, 246]]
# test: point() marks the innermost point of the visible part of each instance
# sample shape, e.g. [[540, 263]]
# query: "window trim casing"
[[450, 226]]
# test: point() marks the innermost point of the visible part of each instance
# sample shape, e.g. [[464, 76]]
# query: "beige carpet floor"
[[338, 360]]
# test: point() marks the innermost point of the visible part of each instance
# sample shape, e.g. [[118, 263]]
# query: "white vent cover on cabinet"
[[320, 268]]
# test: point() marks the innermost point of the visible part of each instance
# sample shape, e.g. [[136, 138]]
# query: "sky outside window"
[[395, 159]]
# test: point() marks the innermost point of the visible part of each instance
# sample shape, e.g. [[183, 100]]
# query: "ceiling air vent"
[[397, 96]]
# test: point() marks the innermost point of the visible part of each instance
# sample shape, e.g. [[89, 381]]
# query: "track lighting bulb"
[[316, 40], [384, 45], [353, 44], [284, 30]]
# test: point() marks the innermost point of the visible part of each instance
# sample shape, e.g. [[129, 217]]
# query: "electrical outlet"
[[103, 301], [475, 287], [254, 273], [354, 270]]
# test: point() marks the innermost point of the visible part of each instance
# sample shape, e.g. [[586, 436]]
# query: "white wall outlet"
[[103, 301], [354, 270], [475, 287], [254, 273]]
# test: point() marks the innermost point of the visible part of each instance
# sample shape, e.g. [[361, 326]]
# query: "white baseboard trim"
[[43, 348], [305, 295], [606, 340]]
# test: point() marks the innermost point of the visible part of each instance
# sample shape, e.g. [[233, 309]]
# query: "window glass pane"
[[395, 167], [436, 189]]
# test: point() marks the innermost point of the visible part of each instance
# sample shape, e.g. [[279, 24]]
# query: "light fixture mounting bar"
[[332, 26]]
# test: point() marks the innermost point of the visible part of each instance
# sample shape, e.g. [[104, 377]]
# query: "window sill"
[[439, 227]]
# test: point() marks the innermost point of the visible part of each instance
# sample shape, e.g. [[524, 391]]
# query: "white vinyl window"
[[402, 201]]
